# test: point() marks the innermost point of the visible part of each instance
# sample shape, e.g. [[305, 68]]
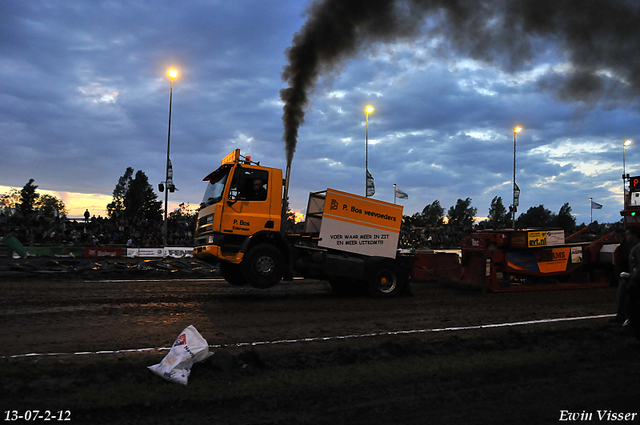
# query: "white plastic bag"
[[189, 348]]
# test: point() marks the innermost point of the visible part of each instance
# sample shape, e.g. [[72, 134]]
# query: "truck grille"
[[205, 224], [207, 219]]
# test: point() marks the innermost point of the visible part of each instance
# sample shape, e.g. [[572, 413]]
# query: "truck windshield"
[[213, 192]]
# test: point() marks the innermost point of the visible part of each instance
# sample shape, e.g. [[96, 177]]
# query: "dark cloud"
[[598, 34]]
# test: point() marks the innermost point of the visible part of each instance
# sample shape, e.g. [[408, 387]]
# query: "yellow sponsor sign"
[[364, 211], [535, 239], [232, 158]]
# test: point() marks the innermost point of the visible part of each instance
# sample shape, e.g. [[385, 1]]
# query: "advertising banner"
[[102, 252], [545, 238], [542, 261], [63, 252], [145, 252], [576, 255], [179, 252], [537, 238], [360, 225], [174, 252]]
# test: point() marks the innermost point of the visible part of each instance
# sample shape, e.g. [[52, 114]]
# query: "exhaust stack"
[[285, 195]]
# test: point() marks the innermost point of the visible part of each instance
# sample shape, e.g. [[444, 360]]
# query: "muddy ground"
[[296, 353]]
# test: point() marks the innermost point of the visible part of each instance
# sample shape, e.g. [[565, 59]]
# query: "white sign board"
[[555, 237], [360, 225], [174, 252]]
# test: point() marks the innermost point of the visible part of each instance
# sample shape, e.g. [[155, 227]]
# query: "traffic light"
[[161, 187]]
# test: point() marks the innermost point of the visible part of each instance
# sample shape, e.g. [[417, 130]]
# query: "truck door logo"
[[334, 205]]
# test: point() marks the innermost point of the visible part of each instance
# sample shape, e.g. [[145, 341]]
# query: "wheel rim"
[[387, 282], [265, 265]]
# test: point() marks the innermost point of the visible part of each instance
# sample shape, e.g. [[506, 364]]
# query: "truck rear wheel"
[[263, 266], [385, 280], [232, 274]]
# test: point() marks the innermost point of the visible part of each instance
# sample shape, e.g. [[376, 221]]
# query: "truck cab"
[[241, 208]]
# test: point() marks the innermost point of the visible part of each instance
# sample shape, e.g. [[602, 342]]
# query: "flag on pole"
[[169, 172], [371, 189], [595, 205], [400, 194]]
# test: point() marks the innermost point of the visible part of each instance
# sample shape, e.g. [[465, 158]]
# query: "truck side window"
[[251, 184], [233, 189]]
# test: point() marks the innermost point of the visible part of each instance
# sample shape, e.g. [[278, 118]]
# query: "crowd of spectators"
[[95, 231], [138, 232]]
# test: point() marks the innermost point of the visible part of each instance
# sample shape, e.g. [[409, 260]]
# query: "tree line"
[[134, 217], [433, 228], [134, 199], [461, 217], [28, 202]]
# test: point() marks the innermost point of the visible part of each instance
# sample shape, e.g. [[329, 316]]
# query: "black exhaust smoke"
[[598, 39], [335, 31]]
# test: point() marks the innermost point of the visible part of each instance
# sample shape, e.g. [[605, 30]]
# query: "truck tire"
[[263, 266], [386, 280], [232, 274]]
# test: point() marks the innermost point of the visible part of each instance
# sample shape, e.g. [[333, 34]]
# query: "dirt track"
[[527, 373], [53, 315]]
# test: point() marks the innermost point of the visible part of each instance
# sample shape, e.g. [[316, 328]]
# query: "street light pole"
[[516, 130], [172, 75], [624, 172], [367, 111]]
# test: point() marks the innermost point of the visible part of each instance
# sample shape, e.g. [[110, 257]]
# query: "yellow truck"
[[349, 240]]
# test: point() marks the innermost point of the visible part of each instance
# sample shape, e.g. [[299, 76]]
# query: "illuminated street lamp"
[[369, 109], [173, 73], [516, 190], [625, 176]]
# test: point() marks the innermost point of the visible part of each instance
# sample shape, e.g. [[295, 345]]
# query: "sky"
[[84, 94]]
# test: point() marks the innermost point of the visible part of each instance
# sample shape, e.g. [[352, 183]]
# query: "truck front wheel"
[[385, 280], [263, 266]]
